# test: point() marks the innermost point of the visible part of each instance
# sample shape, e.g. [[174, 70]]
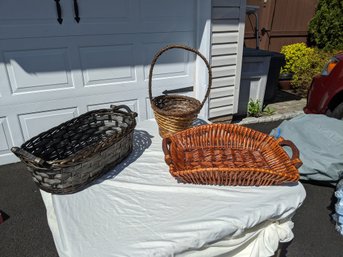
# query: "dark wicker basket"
[[175, 113], [66, 158], [229, 154]]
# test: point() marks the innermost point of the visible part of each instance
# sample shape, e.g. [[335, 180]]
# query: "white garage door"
[[51, 72]]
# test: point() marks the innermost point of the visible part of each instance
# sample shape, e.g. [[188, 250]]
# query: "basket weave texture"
[[175, 113], [66, 158], [230, 154]]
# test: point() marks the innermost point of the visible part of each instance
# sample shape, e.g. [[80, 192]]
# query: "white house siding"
[[228, 17]]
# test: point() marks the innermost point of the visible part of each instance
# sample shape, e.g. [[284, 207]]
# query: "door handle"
[[76, 11], [59, 11]]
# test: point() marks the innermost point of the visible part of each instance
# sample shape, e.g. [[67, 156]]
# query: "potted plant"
[[285, 80]]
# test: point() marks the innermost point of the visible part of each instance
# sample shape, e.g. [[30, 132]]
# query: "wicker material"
[[66, 158], [229, 154], [174, 113]]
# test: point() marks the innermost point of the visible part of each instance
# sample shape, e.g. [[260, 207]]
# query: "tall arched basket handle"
[[159, 53]]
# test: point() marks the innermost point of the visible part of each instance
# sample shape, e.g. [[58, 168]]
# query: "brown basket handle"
[[295, 152], [159, 53], [165, 147], [26, 156], [118, 107]]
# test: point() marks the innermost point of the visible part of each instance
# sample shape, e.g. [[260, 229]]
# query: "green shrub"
[[296, 55], [308, 67], [326, 26], [304, 62]]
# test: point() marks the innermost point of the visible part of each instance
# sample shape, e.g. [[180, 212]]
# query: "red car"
[[325, 95]]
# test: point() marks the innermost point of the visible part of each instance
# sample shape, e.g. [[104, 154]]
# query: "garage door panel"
[[164, 9], [149, 111], [32, 18], [4, 83], [37, 70], [9, 11], [5, 138], [65, 97], [132, 104], [29, 13], [34, 123], [166, 15], [65, 72], [105, 10], [97, 17], [107, 64], [105, 16], [172, 63]]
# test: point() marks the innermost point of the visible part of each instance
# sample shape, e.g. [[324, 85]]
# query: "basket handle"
[[295, 152], [26, 156], [159, 53], [165, 147], [118, 107]]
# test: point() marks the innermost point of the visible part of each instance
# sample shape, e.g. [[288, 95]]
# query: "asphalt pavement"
[[25, 232]]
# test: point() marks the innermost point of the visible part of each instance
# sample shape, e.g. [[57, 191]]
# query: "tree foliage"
[[326, 27]]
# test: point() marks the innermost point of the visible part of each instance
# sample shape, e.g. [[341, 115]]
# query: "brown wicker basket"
[[66, 158], [229, 154], [174, 113]]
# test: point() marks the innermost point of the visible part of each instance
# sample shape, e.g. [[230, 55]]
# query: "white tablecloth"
[[139, 209]]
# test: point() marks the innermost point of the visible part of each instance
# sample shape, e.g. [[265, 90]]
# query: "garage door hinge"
[[59, 11], [76, 11]]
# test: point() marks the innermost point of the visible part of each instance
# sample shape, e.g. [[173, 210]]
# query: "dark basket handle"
[[26, 156], [118, 107], [295, 152], [165, 147], [159, 53]]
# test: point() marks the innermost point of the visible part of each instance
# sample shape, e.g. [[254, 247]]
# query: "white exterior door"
[[51, 72]]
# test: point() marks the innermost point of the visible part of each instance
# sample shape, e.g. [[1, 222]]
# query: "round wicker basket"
[[174, 113]]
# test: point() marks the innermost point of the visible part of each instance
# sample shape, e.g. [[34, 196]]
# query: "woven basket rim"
[[65, 161], [292, 177], [213, 126], [190, 112]]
